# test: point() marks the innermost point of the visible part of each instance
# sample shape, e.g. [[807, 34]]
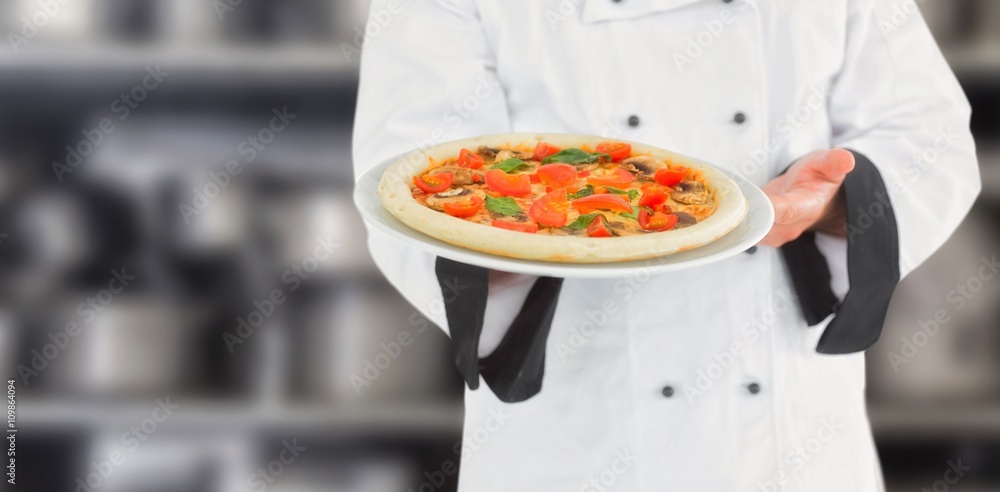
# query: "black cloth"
[[872, 266], [514, 371]]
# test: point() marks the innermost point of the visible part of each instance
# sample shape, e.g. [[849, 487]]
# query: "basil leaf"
[[503, 206], [510, 165], [632, 193], [634, 215], [574, 156], [568, 156], [582, 192], [583, 221]]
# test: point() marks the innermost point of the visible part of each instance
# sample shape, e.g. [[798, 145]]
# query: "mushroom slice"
[[460, 175], [438, 200], [452, 193], [690, 193], [685, 219], [505, 154], [643, 166], [485, 152]]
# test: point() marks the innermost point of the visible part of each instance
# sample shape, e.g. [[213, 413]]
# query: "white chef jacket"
[[753, 405]]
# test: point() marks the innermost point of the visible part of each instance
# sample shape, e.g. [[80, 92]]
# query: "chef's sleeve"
[[899, 108], [428, 76]]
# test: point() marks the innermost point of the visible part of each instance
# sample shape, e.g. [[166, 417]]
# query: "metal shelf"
[[284, 60], [912, 422], [974, 60], [237, 417], [989, 168]]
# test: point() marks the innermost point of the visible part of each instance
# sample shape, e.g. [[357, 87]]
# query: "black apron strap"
[[810, 278], [465, 288], [872, 266], [514, 371]]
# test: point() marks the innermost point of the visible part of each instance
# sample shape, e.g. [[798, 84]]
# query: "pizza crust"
[[395, 193]]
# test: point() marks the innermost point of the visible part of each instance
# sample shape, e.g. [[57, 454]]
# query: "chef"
[[747, 374]]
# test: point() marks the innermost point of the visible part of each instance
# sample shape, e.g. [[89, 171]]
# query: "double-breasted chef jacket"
[[727, 377]]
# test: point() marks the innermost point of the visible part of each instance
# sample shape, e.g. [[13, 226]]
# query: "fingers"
[[793, 214], [797, 206], [774, 239], [786, 210], [802, 199], [835, 164]]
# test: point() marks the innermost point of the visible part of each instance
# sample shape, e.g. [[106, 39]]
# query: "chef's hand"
[[808, 197]]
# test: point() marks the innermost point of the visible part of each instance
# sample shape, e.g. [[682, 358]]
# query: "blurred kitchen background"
[[171, 335]]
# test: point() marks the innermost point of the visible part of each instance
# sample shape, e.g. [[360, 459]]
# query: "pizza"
[[562, 198]]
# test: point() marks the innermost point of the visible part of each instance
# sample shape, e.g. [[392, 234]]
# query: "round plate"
[[753, 228]]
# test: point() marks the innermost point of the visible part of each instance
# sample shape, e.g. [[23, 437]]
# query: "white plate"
[[753, 228]]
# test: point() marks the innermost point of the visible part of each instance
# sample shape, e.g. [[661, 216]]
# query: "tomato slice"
[[534, 178], [616, 150], [654, 195], [433, 183], [557, 175], [599, 227], [529, 227], [656, 221], [550, 210], [620, 178], [670, 177], [508, 184], [470, 159], [583, 174], [614, 203], [464, 208], [545, 149]]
